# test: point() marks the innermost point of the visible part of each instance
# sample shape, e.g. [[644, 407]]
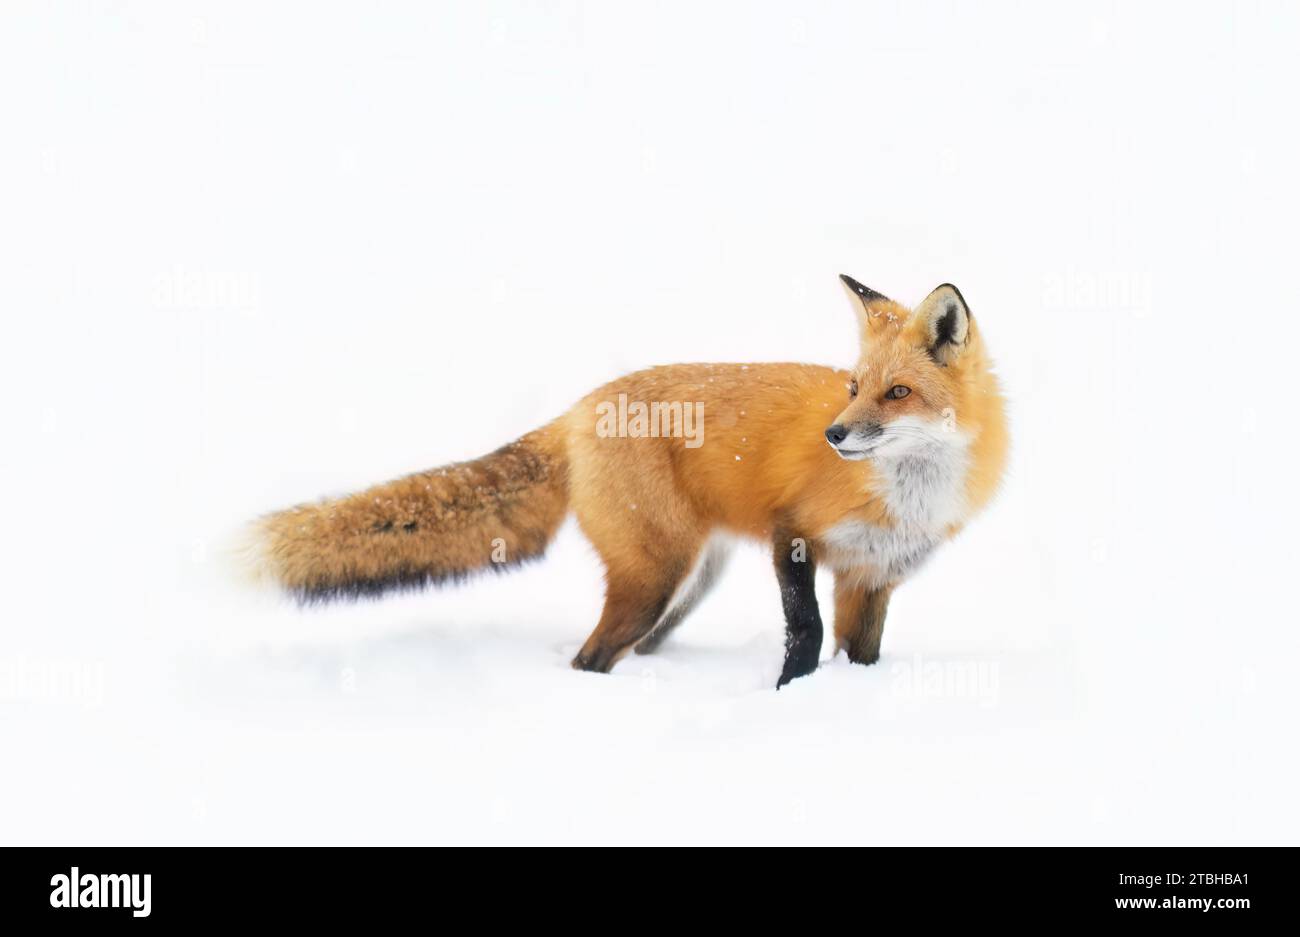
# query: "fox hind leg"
[[632, 608], [639, 586], [707, 570], [646, 554]]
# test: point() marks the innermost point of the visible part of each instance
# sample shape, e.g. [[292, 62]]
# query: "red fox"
[[863, 471]]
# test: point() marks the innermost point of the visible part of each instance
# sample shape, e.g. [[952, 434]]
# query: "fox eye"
[[897, 392], [853, 388]]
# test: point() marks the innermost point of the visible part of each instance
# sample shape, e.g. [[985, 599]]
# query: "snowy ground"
[[251, 256]]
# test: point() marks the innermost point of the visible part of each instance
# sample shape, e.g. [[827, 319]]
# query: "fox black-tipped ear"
[[864, 293], [945, 320]]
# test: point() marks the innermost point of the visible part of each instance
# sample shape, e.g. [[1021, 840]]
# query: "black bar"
[[337, 886]]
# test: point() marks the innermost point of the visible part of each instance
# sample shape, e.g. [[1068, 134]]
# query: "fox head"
[[914, 389]]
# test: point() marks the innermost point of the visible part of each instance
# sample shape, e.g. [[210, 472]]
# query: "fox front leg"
[[795, 573], [859, 617]]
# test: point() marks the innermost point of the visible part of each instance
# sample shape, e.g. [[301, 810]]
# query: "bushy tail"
[[424, 529]]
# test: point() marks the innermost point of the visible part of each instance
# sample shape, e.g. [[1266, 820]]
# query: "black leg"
[[796, 573]]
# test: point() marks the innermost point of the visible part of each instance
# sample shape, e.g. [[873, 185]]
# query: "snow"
[[256, 255]]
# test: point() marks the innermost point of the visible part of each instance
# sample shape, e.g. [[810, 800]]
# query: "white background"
[[256, 253]]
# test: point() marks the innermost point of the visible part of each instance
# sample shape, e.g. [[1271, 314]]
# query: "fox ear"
[[877, 309], [944, 322], [864, 293]]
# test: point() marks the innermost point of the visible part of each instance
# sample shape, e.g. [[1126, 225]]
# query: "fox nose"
[[837, 434]]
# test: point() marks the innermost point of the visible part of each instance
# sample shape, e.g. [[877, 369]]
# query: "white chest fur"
[[924, 491]]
